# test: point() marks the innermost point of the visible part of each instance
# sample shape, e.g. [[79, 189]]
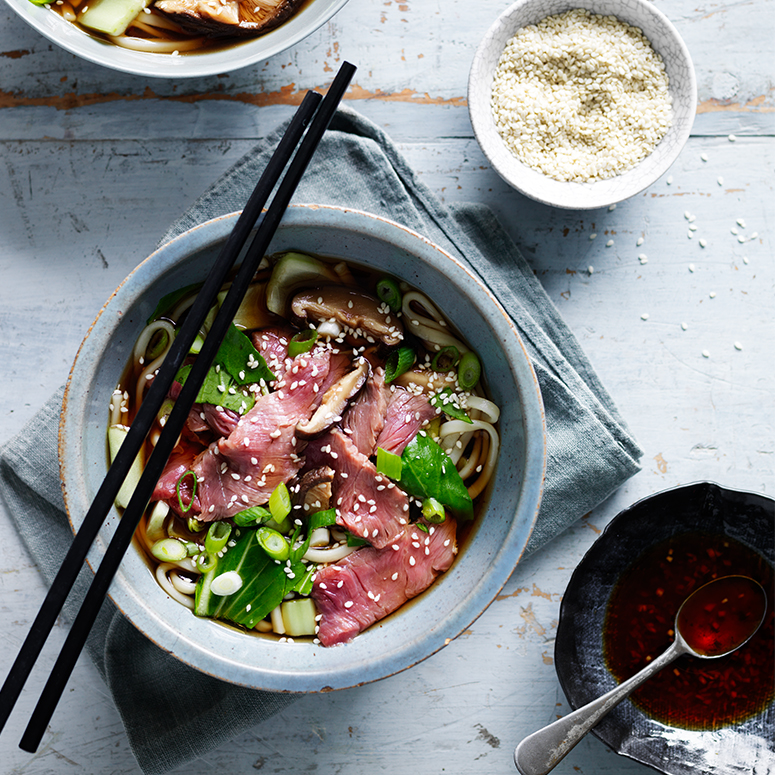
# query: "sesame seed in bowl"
[[581, 105]]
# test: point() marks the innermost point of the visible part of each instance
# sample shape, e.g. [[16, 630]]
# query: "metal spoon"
[[540, 752]]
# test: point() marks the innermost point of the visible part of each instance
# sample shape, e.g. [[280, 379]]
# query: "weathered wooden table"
[[96, 165]]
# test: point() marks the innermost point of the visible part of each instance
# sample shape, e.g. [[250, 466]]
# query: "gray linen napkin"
[[590, 451]]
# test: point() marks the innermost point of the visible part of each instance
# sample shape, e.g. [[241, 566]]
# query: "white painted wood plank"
[[417, 53]]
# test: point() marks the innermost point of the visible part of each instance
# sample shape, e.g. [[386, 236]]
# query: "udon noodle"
[[394, 401]]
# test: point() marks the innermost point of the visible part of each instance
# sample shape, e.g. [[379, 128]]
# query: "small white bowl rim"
[[233, 57], [569, 195], [342, 666]]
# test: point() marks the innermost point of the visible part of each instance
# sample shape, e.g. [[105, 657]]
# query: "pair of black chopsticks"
[[314, 115]]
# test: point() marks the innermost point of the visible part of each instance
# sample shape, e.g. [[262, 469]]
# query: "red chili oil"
[[721, 615], [691, 693]]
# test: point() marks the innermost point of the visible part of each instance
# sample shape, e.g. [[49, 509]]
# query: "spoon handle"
[[540, 752]]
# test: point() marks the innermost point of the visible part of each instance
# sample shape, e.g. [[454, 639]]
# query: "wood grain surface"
[[95, 166]]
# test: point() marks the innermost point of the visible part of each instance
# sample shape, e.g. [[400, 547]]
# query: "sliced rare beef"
[[371, 583], [243, 469], [215, 418], [367, 504], [364, 419], [406, 414], [272, 343]]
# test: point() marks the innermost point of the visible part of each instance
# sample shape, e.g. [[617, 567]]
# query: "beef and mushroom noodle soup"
[[174, 26], [339, 444]]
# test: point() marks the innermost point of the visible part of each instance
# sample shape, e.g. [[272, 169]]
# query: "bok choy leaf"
[[427, 472], [265, 583]]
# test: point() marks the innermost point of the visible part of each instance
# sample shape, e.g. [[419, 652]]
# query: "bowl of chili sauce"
[[697, 715]]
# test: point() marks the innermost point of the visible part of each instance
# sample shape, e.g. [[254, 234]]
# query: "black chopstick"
[[126, 527], [103, 501]]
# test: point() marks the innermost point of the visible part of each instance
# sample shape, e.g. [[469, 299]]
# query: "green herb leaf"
[[241, 360], [400, 360], [169, 300], [427, 472], [236, 364], [448, 402], [219, 389], [256, 515]]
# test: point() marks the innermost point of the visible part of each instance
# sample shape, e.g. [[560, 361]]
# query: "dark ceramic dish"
[[738, 749]]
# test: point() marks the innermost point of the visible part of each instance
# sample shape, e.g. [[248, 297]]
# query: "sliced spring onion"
[[154, 527], [226, 584], [183, 507], [192, 549], [195, 525], [446, 359], [299, 617], [433, 511], [257, 515], [217, 535], [302, 342], [389, 292], [398, 362], [169, 550], [165, 411], [389, 464], [469, 370], [280, 503], [206, 562], [273, 543]]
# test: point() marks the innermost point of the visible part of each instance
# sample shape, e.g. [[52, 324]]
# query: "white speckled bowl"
[[490, 553], [664, 39], [213, 62]]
